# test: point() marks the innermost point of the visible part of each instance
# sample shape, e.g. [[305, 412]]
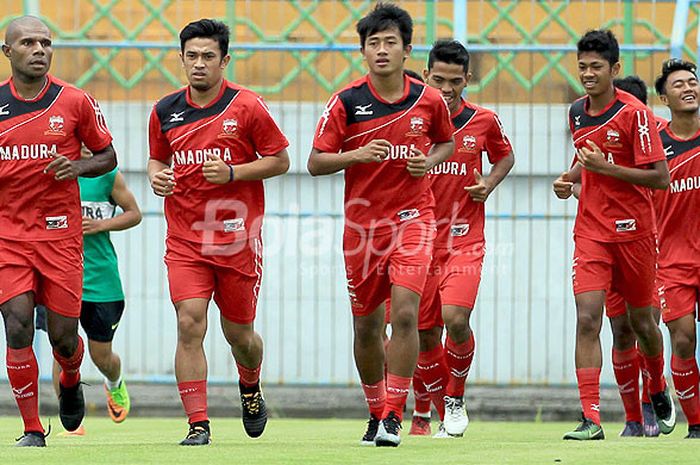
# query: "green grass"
[[146, 441]]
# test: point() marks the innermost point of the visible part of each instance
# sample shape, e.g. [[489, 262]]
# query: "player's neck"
[[598, 103], [684, 125], [29, 89], [203, 98], [390, 88]]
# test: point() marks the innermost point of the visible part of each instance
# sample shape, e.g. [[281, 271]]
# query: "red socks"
[[396, 392], [645, 381], [194, 399], [685, 379], [70, 367], [23, 374], [420, 394], [433, 372], [248, 377], [589, 392], [626, 369], [375, 396], [654, 371], [459, 360]]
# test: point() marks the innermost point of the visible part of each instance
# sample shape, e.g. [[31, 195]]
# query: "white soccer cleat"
[[456, 419], [441, 434]]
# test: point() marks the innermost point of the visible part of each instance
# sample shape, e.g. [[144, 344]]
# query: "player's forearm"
[[575, 173], [155, 166], [499, 171], [262, 168], [97, 165], [654, 178], [321, 163], [439, 153], [126, 220]]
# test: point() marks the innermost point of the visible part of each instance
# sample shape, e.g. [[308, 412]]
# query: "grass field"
[[146, 441]]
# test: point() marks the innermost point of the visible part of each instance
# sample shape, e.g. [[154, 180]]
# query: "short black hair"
[[449, 51], [413, 74], [634, 85], [671, 66], [207, 28], [601, 41], [386, 16]]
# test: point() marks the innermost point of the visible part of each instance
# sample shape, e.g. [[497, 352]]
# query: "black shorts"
[[98, 319]]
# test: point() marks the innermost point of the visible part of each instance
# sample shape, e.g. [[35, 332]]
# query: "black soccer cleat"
[[253, 410], [388, 432], [31, 439], [665, 411], [198, 435], [693, 432], [71, 406], [371, 433]]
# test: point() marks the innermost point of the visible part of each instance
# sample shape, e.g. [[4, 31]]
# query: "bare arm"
[[217, 171], [657, 177], [420, 164], [100, 163], [568, 183], [485, 185], [161, 177], [125, 199], [321, 163]]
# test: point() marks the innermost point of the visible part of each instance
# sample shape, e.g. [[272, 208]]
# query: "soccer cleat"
[[32, 439], [371, 433], [71, 406], [665, 411], [388, 432], [253, 410], [651, 427], [633, 429], [456, 419], [587, 430], [118, 402], [78, 432], [693, 432], [198, 435], [420, 426], [442, 433]]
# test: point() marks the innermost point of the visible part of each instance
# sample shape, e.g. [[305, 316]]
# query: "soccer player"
[[455, 271], [43, 122], [677, 208], [211, 145], [386, 131], [620, 158]]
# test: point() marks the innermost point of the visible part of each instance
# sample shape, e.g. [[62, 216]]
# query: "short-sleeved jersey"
[[477, 132], [236, 126], [380, 195], [678, 207], [609, 209], [33, 205]]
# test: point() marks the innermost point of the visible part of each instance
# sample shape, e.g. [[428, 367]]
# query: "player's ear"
[[407, 51], [426, 73], [6, 50], [616, 69], [468, 77], [225, 60], [664, 99], [182, 59]]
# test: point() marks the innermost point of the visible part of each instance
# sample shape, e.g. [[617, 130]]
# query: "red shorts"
[[453, 279], [53, 270], [376, 261], [232, 276], [628, 267], [679, 290], [615, 304]]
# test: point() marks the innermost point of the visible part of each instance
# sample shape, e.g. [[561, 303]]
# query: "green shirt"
[[101, 282]]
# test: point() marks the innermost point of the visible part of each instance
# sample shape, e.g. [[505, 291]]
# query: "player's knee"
[[642, 323], [623, 337], [429, 338], [587, 324], [457, 324], [190, 329], [683, 344], [403, 321]]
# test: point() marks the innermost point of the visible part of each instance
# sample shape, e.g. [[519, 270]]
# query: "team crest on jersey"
[[612, 139], [468, 144], [416, 126], [229, 128], [55, 126]]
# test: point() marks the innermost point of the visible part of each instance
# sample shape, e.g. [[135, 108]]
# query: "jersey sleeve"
[[266, 135], [331, 127], [158, 145], [498, 146], [443, 129], [646, 142], [92, 127]]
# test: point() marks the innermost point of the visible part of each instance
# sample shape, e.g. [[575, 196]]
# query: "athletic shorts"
[[615, 305], [233, 277], [453, 279], [374, 261], [628, 267], [100, 319], [679, 291], [53, 270]]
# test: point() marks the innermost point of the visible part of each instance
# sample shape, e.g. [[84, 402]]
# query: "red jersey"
[[477, 132], [609, 209], [678, 207], [236, 126], [384, 194], [34, 206]]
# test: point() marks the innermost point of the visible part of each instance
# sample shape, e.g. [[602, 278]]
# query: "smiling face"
[[203, 63], [681, 92], [385, 52], [595, 73], [450, 79], [29, 49]]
